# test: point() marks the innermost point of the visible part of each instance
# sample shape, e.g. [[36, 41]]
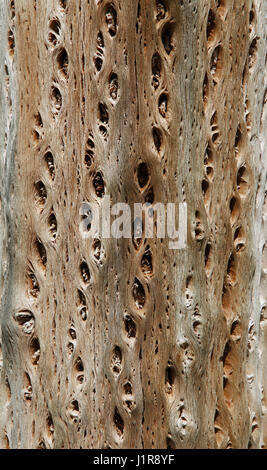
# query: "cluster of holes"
[[27, 321], [166, 34], [230, 281], [61, 61], [6, 80], [110, 27], [242, 188], [138, 290], [38, 246], [215, 51], [231, 285]]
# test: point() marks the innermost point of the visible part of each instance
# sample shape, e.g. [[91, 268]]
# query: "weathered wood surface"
[[90, 357]]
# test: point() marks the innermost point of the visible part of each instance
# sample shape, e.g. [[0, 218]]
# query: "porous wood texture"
[[122, 343]]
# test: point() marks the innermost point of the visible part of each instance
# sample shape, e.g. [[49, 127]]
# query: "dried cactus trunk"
[[122, 343]]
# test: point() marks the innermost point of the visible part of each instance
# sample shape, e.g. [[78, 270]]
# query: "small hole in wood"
[[142, 174], [98, 184], [63, 62], [166, 37], [111, 20], [118, 423], [139, 294]]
